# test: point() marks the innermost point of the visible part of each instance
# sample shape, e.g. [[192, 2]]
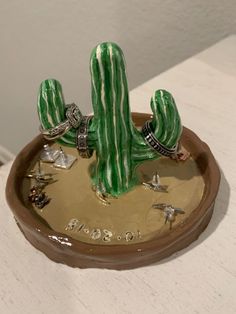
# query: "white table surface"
[[198, 279]]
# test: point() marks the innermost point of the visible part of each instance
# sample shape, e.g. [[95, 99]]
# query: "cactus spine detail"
[[119, 146]]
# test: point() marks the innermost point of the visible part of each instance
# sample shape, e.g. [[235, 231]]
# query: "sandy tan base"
[[157, 241], [130, 218]]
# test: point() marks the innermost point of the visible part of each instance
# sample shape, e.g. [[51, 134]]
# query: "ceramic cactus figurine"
[[119, 145]]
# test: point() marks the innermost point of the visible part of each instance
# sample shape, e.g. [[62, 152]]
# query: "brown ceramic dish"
[[64, 249]]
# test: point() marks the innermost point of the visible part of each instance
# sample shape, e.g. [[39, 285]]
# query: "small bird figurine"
[[38, 197], [40, 176], [169, 211], [155, 184]]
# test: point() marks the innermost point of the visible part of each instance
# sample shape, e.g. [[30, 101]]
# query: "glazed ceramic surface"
[[119, 146], [65, 248]]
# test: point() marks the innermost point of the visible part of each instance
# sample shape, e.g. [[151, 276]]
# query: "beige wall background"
[[53, 39]]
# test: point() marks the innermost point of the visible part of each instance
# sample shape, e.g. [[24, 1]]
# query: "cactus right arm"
[[166, 125]]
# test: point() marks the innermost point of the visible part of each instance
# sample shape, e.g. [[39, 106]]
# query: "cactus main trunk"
[[112, 119]]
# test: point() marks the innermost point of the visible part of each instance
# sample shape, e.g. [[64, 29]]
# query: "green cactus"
[[119, 146]]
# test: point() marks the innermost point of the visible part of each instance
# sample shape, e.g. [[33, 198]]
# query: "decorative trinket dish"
[[111, 190]]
